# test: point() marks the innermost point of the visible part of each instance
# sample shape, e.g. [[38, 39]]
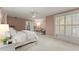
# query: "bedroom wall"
[[50, 25], [18, 23]]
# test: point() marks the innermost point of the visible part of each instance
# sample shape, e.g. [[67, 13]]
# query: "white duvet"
[[21, 37], [24, 37]]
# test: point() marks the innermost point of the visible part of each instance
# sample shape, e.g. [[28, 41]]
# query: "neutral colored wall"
[[50, 28], [50, 25], [18, 23]]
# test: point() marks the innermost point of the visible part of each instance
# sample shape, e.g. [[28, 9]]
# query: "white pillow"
[[12, 31], [7, 34]]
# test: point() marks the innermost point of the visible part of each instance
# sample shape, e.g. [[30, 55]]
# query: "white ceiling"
[[26, 12]]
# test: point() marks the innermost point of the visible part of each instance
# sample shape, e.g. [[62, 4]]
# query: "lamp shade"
[[4, 27]]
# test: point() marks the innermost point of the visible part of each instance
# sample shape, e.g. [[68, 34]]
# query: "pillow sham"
[[12, 31]]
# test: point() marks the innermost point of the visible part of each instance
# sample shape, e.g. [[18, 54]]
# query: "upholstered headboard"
[[16, 23]]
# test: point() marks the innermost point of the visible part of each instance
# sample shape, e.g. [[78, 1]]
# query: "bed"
[[21, 38]]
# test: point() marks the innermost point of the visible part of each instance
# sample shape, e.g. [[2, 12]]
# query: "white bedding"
[[10, 33], [22, 37], [19, 37], [31, 35]]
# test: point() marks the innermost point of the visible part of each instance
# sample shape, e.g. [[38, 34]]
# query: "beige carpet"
[[46, 43]]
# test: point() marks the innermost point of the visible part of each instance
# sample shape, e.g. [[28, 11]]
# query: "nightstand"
[[7, 47]]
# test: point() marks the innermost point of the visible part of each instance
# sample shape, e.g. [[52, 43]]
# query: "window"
[[57, 21], [76, 31], [68, 30], [61, 20], [68, 25], [75, 25], [61, 30], [60, 25], [57, 30], [68, 19], [75, 19]]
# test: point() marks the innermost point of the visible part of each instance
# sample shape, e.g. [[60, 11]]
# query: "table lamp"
[[3, 28]]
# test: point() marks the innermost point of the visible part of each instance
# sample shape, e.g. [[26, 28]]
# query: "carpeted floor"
[[46, 43]]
